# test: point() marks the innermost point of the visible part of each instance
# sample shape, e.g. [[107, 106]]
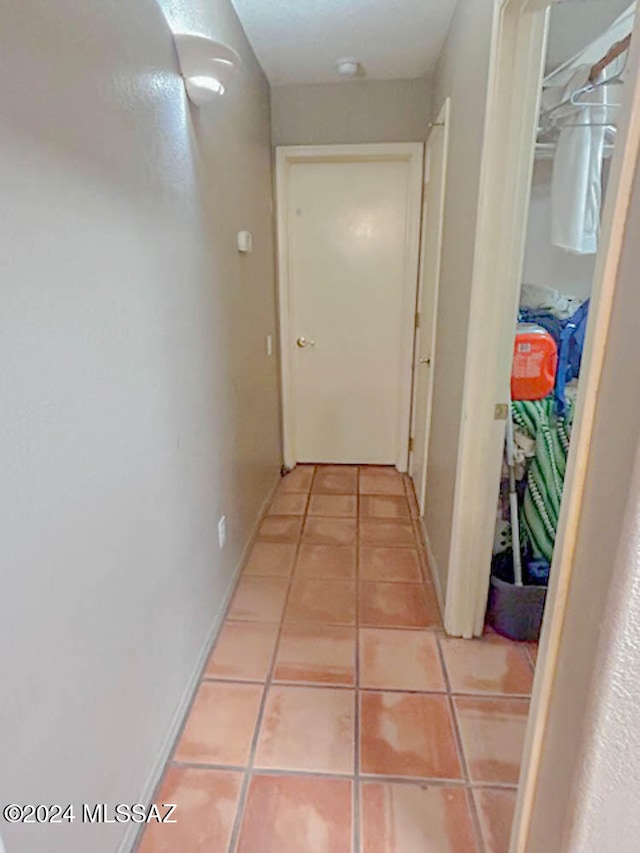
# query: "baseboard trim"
[[133, 832], [433, 567]]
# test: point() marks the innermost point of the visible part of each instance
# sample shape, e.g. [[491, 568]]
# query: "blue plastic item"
[[538, 570], [569, 336]]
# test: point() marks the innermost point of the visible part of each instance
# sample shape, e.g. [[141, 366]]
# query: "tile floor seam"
[[431, 629], [494, 786], [308, 497], [232, 846], [475, 820], [415, 628], [217, 768], [356, 808], [425, 596], [425, 568], [292, 682], [486, 694], [431, 781], [365, 689], [424, 563], [523, 651], [244, 791], [278, 772], [412, 781], [471, 803], [422, 550]]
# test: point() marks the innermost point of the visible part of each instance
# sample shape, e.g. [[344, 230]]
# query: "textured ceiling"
[[299, 41]]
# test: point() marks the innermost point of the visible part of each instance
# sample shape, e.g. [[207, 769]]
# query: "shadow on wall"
[[146, 144], [143, 102]]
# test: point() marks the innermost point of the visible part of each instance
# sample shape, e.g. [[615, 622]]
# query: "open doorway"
[[436, 151], [514, 136], [516, 131], [580, 104]]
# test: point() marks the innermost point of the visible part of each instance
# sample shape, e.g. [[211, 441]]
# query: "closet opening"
[[513, 247], [580, 105], [559, 160]]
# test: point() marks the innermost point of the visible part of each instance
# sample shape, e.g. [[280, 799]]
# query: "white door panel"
[[424, 366], [348, 232]]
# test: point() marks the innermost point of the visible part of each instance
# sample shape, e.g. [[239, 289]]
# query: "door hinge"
[[411, 445], [501, 412], [417, 320]]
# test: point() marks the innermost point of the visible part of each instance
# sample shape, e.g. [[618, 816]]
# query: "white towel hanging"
[[576, 184]]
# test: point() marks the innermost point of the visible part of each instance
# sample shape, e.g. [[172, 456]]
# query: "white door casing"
[[516, 67], [348, 239], [428, 284], [513, 98]]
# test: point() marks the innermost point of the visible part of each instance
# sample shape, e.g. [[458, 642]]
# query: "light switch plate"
[[245, 241]]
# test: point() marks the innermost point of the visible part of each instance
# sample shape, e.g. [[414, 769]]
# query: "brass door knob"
[[304, 342]]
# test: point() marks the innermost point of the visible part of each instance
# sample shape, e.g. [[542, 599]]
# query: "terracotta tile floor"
[[333, 715]]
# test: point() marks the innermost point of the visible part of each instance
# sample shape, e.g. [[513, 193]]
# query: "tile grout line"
[[431, 781], [317, 685], [432, 629], [354, 776], [357, 829], [475, 820], [425, 571], [417, 533], [532, 662], [242, 799]]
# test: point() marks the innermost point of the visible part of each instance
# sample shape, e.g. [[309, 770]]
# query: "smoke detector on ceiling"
[[348, 67]]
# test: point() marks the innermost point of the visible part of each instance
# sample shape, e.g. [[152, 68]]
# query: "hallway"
[[333, 714]]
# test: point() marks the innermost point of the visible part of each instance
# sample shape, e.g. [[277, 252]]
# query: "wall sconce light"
[[207, 67]]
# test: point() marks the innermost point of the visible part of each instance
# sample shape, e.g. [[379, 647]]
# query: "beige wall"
[[588, 786], [138, 403], [461, 74], [351, 112]]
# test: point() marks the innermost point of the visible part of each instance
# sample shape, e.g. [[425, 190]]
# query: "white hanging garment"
[[576, 184]]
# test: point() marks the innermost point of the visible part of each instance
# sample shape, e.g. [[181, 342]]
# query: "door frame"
[[443, 120], [289, 155], [513, 101], [516, 69]]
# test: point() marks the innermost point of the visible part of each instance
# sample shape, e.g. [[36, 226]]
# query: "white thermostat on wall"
[[245, 241]]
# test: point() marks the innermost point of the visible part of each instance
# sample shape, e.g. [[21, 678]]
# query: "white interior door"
[[351, 269], [424, 366]]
